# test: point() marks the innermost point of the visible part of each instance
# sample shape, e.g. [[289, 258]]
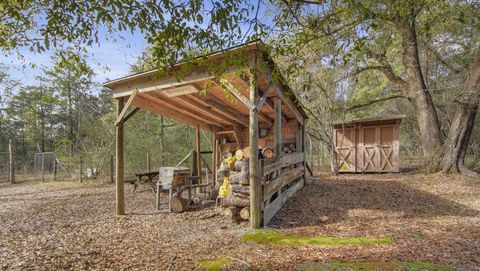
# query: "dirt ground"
[[68, 225]]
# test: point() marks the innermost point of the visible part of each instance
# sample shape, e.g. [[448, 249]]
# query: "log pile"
[[289, 149]]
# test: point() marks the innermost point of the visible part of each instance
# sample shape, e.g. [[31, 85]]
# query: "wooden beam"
[[292, 107], [255, 183], [199, 154], [214, 159], [237, 134], [264, 98], [278, 128], [155, 107], [266, 101], [185, 109], [119, 173], [225, 84], [130, 114], [125, 108], [219, 107], [205, 110]]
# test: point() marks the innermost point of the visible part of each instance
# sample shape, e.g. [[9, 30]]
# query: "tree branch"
[[374, 101]]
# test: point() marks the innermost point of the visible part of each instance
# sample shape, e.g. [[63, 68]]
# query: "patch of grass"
[[271, 237], [365, 266], [215, 265]]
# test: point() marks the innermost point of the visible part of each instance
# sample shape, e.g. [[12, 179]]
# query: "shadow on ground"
[[330, 201]]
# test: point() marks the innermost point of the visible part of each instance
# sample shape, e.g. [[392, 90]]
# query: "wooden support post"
[[120, 197], [255, 184], [12, 162], [80, 175], [278, 128], [148, 162], [199, 153], [111, 168], [214, 159]]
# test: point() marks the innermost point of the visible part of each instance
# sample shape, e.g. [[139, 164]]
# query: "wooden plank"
[[238, 137], [119, 165], [205, 110], [154, 106], [225, 84], [255, 185], [130, 114], [271, 187], [264, 98], [272, 209], [199, 154], [171, 104], [125, 108], [271, 167], [292, 174], [292, 158], [219, 108], [293, 108], [292, 190], [278, 128]]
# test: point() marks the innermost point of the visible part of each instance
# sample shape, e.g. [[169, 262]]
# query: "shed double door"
[[368, 149]]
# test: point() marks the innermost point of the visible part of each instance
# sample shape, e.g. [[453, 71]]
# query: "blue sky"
[[117, 55]]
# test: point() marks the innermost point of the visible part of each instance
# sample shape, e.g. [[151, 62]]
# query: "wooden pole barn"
[[246, 104]]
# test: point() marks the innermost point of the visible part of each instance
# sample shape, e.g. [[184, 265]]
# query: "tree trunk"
[[463, 121], [416, 91]]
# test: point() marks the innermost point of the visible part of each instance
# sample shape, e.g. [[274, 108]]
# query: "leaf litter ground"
[[72, 226]]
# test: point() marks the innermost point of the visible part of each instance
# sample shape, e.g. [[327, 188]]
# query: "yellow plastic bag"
[[225, 188], [230, 162]]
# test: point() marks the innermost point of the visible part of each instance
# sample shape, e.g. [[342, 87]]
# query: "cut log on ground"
[[245, 213], [234, 200], [233, 213], [178, 204]]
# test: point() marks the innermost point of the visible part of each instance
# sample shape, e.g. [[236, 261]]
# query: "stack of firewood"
[[236, 167], [289, 149]]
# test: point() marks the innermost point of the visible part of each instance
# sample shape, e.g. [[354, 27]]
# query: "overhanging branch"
[[374, 101]]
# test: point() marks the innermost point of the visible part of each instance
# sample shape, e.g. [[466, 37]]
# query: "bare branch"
[[374, 101]]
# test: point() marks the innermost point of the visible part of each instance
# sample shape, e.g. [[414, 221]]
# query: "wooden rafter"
[[225, 84], [171, 105], [153, 105], [204, 109], [219, 108]]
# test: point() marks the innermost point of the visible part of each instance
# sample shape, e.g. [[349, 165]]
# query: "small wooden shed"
[[369, 145], [238, 95]]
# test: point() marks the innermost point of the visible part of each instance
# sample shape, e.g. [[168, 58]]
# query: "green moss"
[[271, 237], [215, 265], [365, 266], [414, 266]]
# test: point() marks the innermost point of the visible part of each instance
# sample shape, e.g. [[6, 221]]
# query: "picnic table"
[[145, 177]]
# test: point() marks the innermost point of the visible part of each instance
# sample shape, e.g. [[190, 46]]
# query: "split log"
[[241, 189], [246, 152], [292, 147], [234, 200], [239, 154], [238, 165], [267, 153], [245, 213], [233, 213]]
